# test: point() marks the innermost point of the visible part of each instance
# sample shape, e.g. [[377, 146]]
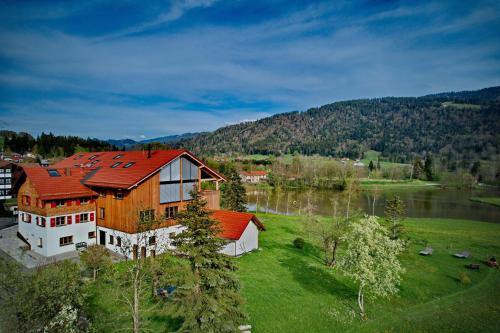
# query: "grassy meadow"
[[289, 290], [495, 201]]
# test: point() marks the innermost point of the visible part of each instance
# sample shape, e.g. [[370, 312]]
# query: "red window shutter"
[[68, 219], [53, 204], [78, 202], [77, 218], [53, 222], [29, 218], [68, 203], [91, 217]]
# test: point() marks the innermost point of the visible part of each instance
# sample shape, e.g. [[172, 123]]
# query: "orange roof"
[[64, 186], [254, 173], [234, 223], [119, 177]]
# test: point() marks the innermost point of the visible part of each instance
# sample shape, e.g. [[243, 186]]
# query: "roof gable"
[[233, 224]]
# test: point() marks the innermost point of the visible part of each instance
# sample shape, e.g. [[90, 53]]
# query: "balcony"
[[212, 197]]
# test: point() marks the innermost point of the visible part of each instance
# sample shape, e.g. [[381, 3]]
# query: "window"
[[171, 212], [60, 203], [91, 234], [111, 239], [116, 164], [152, 240], [102, 193], [119, 194], [170, 192], [40, 221], [84, 217], [40, 242], [2, 192], [147, 215], [60, 221], [128, 165], [187, 187], [68, 240], [26, 200], [118, 241], [92, 157], [53, 173], [171, 235], [7, 181], [118, 156], [84, 201], [101, 213]]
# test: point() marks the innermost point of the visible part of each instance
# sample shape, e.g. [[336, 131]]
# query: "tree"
[[395, 211], [371, 166], [233, 194], [211, 303], [95, 258], [378, 163], [371, 260], [418, 168], [474, 170], [429, 167], [47, 300]]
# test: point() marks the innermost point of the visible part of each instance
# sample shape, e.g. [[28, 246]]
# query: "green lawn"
[[386, 184], [495, 201], [289, 290]]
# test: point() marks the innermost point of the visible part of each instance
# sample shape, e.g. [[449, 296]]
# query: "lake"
[[432, 202]]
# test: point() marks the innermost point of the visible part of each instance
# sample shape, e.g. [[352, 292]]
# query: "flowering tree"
[[371, 260]]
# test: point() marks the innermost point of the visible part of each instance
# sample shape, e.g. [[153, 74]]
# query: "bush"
[[464, 278], [299, 243]]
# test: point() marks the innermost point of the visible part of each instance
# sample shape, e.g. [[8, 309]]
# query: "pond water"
[[432, 202]]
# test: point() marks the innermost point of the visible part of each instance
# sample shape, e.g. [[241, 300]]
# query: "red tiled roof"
[[119, 177], [65, 186], [254, 173], [233, 224]]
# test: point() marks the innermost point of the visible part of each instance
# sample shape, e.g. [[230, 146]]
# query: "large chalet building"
[[99, 198]]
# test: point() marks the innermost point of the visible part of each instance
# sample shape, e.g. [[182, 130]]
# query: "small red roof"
[[233, 224], [143, 165], [67, 185], [254, 173]]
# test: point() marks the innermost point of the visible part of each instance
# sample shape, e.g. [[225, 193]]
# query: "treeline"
[[50, 145], [459, 126]]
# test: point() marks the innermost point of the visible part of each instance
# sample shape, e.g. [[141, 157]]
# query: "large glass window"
[[187, 188], [170, 192]]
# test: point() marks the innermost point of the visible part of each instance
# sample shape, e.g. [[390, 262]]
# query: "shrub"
[[299, 243], [464, 278]]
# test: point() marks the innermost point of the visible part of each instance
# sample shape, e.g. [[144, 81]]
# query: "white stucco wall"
[[50, 235], [248, 241]]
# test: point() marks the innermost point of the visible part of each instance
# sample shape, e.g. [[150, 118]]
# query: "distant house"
[[253, 176], [6, 175], [358, 163], [44, 163], [241, 230]]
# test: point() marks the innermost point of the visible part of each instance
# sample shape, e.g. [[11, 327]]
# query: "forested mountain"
[[458, 125], [132, 144]]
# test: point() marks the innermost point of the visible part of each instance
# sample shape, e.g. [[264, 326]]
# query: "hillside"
[[458, 125]]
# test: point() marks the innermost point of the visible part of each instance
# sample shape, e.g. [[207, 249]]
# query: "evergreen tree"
[[378, 163], [395, 213], [234, 196], [475, 168], [371, 166], [429, 167], [211, 301], [418, 168]]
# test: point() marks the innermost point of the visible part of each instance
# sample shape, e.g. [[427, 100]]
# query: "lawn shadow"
[[317, 279]]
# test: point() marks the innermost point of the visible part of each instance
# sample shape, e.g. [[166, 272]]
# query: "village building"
[[255, 176], [100, 198], [6, 179]]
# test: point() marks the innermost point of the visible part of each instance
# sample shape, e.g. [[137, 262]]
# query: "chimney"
[[67, 171]]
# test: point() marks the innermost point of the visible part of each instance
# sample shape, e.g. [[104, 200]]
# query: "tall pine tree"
[[429, 167], [211, 302], [234, 196]]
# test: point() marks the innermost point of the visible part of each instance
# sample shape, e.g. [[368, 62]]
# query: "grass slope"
[[495, 201], [387, 184], [289, 290]]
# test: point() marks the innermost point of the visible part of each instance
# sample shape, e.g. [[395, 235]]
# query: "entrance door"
[[143, 252], [102, 237]]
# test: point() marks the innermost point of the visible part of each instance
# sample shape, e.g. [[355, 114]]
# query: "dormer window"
[[128, 165], [60, 203], [116, 164], [118, 156], [119, 194]]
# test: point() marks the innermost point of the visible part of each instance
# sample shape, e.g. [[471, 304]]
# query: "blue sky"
[[135, 69]]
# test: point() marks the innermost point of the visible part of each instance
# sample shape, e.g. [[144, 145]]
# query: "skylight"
[[118, 156], [116, 164], [54, 173], [92, 157], [129, 164]]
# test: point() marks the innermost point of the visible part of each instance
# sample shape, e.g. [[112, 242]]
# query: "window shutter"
[[68, 219], [53, 222], [77, 218], [53, 204], [68, 203], [91, 217], [78, 202]]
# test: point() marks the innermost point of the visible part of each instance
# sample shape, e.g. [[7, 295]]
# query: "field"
[[289, 290], [387, 184], [495, 201]]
